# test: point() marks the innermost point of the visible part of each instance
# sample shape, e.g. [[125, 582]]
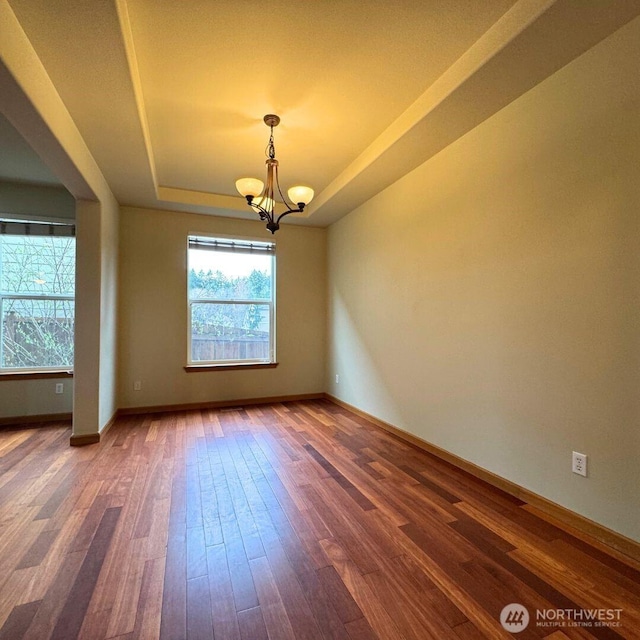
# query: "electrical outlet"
[[337, 378], [579, 464], [137, 385], [59, 387]]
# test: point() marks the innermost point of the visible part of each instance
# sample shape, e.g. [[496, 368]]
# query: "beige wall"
[[35, 397], [489, 301], [153, 311], [36, 201], [32, 105]]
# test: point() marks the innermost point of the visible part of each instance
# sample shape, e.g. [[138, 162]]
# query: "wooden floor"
[[286, 521]]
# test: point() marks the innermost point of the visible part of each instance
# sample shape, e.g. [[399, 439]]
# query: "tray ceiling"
[[169, 96]]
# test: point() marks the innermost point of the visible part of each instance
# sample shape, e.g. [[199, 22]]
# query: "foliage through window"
[[37, 285], [231, 301]]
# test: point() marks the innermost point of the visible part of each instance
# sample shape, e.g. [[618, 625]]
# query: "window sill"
[[35, 375], [193, 368]]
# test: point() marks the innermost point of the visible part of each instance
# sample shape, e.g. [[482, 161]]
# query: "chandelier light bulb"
[[265, 203]]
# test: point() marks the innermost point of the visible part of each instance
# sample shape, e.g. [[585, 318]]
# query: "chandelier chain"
[[270, 151]]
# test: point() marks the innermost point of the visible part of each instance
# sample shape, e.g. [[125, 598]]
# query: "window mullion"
[[36, 296], [226, 301]]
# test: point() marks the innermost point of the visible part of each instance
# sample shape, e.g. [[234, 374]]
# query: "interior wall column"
[[86, 396]]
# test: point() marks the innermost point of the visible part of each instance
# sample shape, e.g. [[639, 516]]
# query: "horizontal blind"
[[235, 246], [19, 228]]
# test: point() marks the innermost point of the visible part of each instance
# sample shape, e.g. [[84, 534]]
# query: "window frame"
[[12, 372], [194, 365]]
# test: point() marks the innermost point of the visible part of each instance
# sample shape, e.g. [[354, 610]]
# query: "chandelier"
[[262, 198]]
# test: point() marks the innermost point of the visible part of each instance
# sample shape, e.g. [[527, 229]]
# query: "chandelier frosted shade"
[[265, 202], [249, 187], [262, 197], [300, 194]]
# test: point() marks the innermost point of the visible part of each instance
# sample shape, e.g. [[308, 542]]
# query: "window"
[[231, 293], [37, 284]]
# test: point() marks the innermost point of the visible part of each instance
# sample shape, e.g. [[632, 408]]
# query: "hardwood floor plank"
[[448, 578], [56, 498], [273, 611], [126, 595], [360, 499], [467, 631], [620, 584], [91, 523], [38, 550], [481, 537], [373, 609], [196, 554], [282, 509], [199, 623], [22, 450], [52, 604], [210, 510], [296, 605], [432, 486], [493, 588], [360, 629], [72, 615], [173, 624], [194, 497], [298, 520], [241, 579], [346, 532], [244, 592], [430, 594], [252, 625], [10, 439], [239, 503], [411, 621], [19, 621], [149, 610], [223, 608], [151, 489], [279, 535], [344, 604]]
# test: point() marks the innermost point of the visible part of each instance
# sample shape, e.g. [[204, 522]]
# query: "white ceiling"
[[169, 96]]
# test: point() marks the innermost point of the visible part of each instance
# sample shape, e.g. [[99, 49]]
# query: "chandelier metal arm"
[[267, 215], [287, 203], [277, 181], [300, 209], [260, 209]]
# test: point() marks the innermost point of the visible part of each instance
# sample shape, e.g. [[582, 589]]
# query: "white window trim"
[[270, 303], [67, 226]]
